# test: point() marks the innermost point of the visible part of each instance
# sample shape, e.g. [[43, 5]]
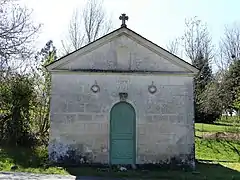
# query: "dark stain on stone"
[[183, 162], [71, 158], [74, 157]]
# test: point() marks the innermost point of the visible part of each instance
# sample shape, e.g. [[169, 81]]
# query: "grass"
[[216, 127], [27, 160], [217, 150], [33, 161], [218, 159], [204, 171], [229, 119]]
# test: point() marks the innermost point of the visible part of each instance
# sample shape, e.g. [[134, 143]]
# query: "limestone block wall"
[[123, 53], [80, 118]]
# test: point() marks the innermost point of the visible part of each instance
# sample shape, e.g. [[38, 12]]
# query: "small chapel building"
[[122, 100]]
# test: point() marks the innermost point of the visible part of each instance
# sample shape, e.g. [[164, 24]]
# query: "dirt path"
[[31, 176], [222, 135]]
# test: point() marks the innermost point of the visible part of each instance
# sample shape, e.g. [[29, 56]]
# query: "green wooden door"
[[122, 134]]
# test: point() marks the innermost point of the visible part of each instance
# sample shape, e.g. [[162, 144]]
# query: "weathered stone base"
[[69, 154], [164, 166], [73, 158], [77, 155]]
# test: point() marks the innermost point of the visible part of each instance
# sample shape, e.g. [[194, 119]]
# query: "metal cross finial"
[[123, 17]]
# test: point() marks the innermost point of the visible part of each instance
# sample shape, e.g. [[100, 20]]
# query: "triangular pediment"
[[122, 50]]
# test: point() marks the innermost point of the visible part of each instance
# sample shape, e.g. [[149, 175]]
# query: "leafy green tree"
[[232, 85], [16, 94], [198, 47], [236, 103], [24, 105], [204, 91], [17, 32], [209, 102], [205, 75]]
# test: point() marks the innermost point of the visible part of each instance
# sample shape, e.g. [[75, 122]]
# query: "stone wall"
[[80, 118], [124, 53]]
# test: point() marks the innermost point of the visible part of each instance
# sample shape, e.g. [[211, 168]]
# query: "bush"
[[202, 117], [16, 94], [208, 104]]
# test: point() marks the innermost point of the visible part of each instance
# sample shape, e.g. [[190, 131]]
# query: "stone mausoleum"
[[122, 100]]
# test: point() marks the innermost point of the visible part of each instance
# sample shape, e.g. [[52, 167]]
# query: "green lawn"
[[217, 128], [204, 171], [229, 119], [33, 161], [219, 150], [208, 152]]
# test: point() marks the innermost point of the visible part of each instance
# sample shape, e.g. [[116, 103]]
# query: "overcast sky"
[[157, 20]]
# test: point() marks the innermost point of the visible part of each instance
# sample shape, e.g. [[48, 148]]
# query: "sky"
[[159, 21]]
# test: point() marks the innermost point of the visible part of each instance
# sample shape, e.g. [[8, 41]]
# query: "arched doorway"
[[122, 134]]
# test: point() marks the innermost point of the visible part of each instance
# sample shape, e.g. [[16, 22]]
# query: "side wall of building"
[[80, 118]]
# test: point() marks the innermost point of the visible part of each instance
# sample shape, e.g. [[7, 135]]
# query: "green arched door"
[[122, 134]]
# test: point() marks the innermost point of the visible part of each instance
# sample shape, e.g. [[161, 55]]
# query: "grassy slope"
[[220, 150]]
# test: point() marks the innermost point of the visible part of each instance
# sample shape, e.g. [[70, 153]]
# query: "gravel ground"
[[30, 176]]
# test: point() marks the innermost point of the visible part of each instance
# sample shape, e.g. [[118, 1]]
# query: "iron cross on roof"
[[124, 18]]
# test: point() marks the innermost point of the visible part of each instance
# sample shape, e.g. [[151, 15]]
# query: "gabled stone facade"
[[80, 118]]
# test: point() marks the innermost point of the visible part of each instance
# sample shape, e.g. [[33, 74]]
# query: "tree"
[[16, 34], [236, 103], [209, 102], [227, 62], [16, 94], [24, 105], [173, 46], [232, 85], [229, 46], [43, 85], [196, 40], [206, 93], [86, 26], [17, 31], [198, 47]]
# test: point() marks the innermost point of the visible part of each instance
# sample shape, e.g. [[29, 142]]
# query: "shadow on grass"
[[220, 123], [203, 171], [37, 158], [218, 149], [223, 124], [24, 157]]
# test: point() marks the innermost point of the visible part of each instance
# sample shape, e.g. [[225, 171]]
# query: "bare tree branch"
[[173, 46], [197, 43], [229, 46], [16, 34], [197, 40], [86, 26]]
